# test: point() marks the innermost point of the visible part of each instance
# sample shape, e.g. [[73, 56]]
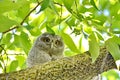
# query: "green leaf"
[[53, 7], [1, 62], [58, 1], [116, 39], [83, 44], [13, 65], [37, 24], [71, 21], [21, 60], [69, 42], [22, 41], [49, 30], [94, 2], [6, 39], [38, 20], [68, 4], [6, 23], [1, 51], [94, 46], [16, 41], [35, 31], [1, 65], [69, 53], [99, 35], [7, 5], [44, 5], [25, 42], [111, 73], [24, 9], [28, 27], [113, 48]]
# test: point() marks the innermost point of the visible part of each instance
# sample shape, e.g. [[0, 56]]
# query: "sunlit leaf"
[[113, 48], [37, 21], [16, 41], [53, 7], [116, 39], [69, 42], [23, 10], [13, 65], [69, 53], [1, 65], [21, 60], [1, 62], [50, 30], [83, 44], [116, 25], [71, 21], [111, 75], [29, 27], [100, 36], [1, 50], [7, 5], [59, 1], [93, 2], [22, 41], [6, 39], [35, 31], [94, 46], [44, 5], [25, 42], [68, 4], [6, 23]]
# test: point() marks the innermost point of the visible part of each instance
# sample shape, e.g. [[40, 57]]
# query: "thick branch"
[[78, 67]]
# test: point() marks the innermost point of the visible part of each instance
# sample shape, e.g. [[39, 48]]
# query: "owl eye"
[[58, 43], [46, 39]]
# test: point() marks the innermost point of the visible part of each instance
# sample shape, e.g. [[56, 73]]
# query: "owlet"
[[47, 47]]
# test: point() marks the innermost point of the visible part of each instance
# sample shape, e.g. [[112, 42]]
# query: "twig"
[[23, 19], [10, 29], [58, 4], [30, 13]]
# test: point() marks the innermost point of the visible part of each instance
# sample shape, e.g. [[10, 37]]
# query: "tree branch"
[[23, 19], [79, 67], [10, 29]]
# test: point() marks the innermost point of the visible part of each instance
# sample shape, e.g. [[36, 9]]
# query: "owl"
[[47, 47]]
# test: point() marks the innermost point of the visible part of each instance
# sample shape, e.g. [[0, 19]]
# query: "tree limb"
[[79, 67]]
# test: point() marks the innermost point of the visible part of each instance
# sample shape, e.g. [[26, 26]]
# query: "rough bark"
[[79, 67]]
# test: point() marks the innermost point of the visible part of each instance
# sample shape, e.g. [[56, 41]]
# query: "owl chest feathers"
[[48, 53]]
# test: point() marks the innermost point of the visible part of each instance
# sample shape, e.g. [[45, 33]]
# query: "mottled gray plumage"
[[47, 47]]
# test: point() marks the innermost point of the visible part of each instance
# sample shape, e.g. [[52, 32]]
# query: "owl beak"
[[51, 45]]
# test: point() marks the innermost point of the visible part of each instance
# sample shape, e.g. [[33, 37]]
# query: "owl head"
[[53, 44]]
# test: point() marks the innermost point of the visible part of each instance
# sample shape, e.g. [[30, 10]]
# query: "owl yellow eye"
[[58, 43], [46, 39]]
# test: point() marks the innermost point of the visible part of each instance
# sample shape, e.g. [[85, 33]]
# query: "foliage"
[[111, 75], [84, 25]]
